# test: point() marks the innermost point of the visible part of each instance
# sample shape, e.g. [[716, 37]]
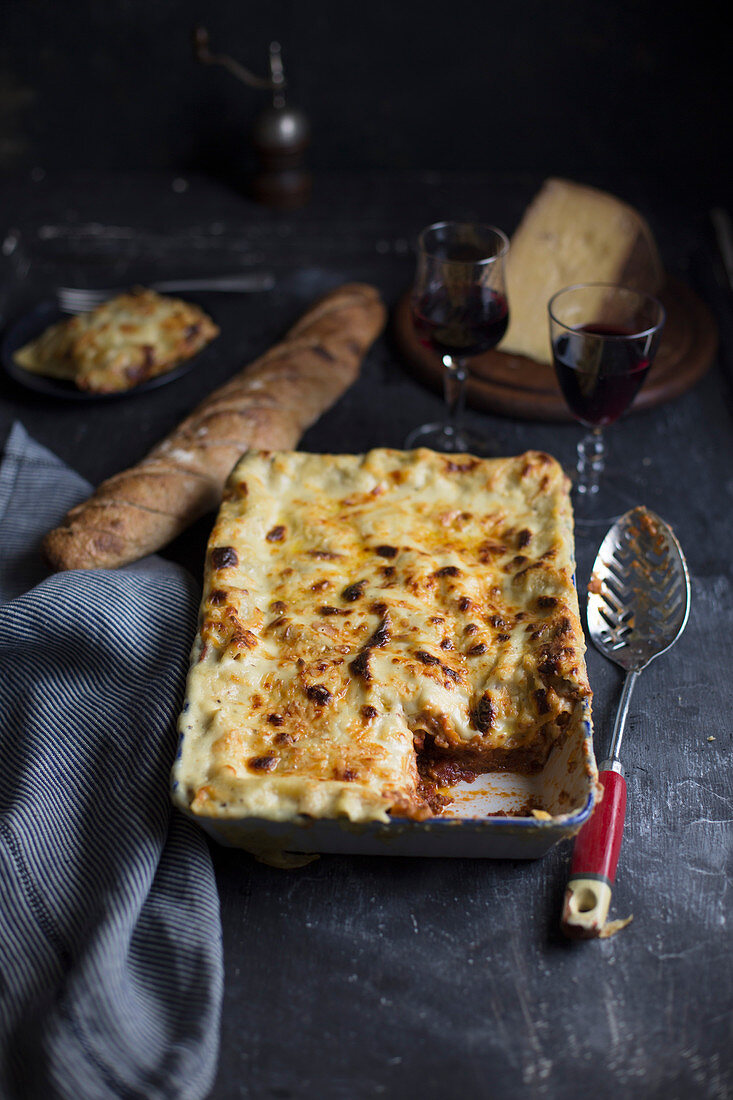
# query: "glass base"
[[449, 440], [615, 493], [602, 490]]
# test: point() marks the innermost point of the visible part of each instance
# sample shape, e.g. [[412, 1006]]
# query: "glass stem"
[[454, 390], [591, 461]]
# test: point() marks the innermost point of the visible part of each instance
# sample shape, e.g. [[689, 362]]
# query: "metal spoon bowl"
[[638, 599]]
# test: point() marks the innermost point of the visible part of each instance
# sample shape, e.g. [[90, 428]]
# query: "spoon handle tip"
[[595, 858]]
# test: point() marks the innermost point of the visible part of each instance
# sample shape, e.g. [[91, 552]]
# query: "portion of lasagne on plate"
[[376, 626], [123, 342]]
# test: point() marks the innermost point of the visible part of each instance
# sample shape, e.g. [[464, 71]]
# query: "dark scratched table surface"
[[359, 977]]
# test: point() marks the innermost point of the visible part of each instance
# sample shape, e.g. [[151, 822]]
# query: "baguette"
[[267, 406]]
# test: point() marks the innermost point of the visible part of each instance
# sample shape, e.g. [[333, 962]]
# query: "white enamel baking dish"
[[473, 826]]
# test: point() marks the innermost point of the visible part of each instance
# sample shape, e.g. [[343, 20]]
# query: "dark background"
[[602, 91]]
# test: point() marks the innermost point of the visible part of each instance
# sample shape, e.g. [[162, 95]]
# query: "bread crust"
[[267, 406]]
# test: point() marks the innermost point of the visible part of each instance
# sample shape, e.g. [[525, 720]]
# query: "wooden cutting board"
[[515, 386]]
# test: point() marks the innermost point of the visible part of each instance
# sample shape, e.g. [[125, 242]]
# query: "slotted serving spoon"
[[638, 605]]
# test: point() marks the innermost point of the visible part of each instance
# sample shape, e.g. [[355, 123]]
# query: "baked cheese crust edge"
[[126, 340], [384, 601]]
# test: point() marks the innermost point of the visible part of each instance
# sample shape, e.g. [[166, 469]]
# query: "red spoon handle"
[[595, 859], [599, 842]]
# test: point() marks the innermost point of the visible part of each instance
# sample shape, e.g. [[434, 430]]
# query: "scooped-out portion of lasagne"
[[123, 342], [373, 625]]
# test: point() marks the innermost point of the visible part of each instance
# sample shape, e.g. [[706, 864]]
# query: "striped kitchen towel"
[[110, 939]]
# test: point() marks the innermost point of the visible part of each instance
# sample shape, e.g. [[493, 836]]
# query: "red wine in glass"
[[600, 379], [459, 310], [604, 338], [468, 321]]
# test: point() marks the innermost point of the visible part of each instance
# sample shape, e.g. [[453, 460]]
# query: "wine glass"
[[459, 309], [604, 339]]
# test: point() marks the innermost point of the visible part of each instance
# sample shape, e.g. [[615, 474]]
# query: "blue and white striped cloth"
[[110, 939]]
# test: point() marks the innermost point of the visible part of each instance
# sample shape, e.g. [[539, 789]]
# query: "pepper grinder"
[[280, 133]]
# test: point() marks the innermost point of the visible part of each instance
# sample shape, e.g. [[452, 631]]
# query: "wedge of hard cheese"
[[572, 234]]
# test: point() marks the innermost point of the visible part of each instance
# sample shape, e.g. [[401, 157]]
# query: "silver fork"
[[81, 300]]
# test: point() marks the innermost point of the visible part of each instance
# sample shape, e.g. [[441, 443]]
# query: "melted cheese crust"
[[121, 343], [358, 606]]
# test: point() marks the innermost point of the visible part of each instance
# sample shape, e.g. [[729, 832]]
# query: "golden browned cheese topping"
[[361, 608], [121, 343]]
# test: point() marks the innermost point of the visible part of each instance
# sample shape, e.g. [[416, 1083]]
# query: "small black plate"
[[30, 325]]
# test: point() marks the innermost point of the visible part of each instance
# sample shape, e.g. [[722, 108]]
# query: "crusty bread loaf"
[[571, 233], [267, 406]]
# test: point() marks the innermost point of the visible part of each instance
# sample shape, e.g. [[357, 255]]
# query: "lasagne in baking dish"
[[124, 341], [376, 627]]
